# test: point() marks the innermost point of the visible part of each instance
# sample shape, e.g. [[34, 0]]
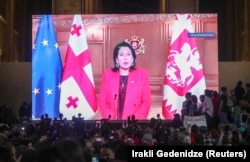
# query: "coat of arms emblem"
[[137, 44]]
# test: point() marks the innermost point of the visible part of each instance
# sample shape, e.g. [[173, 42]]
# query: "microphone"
[[116, 98], [118, 107]]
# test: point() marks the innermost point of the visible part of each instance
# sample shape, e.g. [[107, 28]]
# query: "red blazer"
[[138, 94]]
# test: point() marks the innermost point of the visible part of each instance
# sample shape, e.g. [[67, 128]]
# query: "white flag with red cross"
[[77, 88]]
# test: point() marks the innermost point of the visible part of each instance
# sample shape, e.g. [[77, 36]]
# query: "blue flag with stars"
[[46, 71]]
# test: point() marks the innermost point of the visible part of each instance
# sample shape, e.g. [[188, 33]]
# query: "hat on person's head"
[[4, 127]]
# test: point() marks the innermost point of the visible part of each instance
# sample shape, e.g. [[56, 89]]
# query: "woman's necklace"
[[123, 79]]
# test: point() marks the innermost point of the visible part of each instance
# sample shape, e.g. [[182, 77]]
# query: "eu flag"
[[46, 71]]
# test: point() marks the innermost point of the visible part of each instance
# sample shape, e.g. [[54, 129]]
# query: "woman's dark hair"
[[115, 54]]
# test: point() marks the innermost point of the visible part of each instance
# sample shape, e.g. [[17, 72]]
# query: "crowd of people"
[[22, 140], [218, 107]]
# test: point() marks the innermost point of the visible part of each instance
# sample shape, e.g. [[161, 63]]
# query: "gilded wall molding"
[[108, 19]]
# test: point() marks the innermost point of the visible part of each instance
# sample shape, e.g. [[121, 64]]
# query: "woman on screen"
[[125, 89]]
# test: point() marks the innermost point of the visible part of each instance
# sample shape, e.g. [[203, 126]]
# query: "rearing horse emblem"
[[180, 65]]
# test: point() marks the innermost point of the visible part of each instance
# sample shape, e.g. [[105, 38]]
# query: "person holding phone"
[[125, 89]]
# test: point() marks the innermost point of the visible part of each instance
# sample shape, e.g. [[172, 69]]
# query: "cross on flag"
[[77, 88]]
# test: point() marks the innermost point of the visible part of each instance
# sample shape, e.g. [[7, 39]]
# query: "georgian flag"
[[184, 71], [77, 88]]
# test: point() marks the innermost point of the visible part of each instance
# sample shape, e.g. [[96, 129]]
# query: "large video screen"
[[71, 52]]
